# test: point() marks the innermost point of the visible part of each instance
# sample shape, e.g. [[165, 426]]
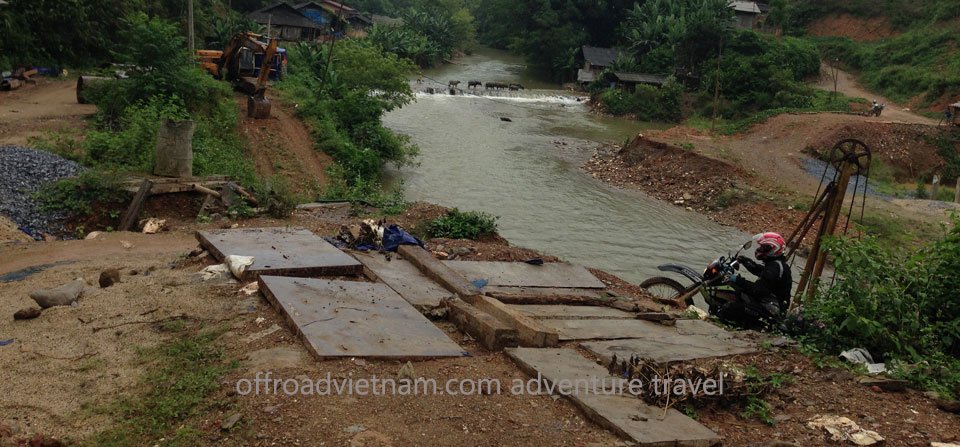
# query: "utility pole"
[[190, 41], [716, 89], [333, 41]]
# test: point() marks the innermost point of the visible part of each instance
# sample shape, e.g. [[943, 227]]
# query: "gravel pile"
[[22, 172]]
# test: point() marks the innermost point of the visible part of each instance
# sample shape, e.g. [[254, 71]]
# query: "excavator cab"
[[239, 66]]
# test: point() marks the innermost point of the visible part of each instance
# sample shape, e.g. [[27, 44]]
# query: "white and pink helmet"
[[769, 245]]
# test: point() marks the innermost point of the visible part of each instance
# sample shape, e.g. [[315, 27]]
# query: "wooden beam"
[[531, 332], [133, 211], [437, 271], [490, 332]]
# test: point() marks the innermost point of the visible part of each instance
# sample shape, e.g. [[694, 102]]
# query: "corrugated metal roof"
[[281, 14], [641, 78], [584, 75], [745, 6], [600, 57]]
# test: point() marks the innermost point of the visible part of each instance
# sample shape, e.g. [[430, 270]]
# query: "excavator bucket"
[[258, 107]]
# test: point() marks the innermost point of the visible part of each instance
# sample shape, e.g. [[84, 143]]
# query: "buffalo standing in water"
[[473, 84]]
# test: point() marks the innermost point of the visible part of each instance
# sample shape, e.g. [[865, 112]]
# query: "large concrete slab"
[[562, 311], [280, 251], [606, 329], [690, 339], [519, 274], [621, 413], [337, 318], [406, 279]]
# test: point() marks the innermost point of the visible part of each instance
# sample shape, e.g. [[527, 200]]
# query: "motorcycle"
[[714, 284], [875, 110]]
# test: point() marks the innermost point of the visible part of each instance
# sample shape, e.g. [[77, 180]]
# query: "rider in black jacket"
[[767, 299]]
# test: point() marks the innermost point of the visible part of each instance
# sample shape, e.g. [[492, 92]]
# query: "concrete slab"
[[623, 414], [605, 329], [671, 348], [406, 279], [561, 311], [280, 251], [355, 319], [519, 274]]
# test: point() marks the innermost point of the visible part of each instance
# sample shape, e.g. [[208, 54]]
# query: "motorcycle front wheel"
[[663, 287]]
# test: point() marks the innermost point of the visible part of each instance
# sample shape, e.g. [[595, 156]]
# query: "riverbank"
[[763, 180]]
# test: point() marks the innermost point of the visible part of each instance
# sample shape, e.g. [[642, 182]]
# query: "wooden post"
[[130, 217], [935, 187], [829, 225], [956, 198], [190, 37]]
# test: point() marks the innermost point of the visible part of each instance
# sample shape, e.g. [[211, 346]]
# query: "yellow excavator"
[[239, 64]]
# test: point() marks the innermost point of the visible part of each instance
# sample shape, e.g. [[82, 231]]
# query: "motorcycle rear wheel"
[[663, 287]]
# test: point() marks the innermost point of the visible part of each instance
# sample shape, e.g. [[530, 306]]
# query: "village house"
[[592, 61], [325, 14], [286, 23], [747, 14]]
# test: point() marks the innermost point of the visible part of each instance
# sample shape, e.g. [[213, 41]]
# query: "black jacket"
[[774, 283]]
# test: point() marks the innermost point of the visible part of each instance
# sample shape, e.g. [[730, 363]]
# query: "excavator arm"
[[268, 55]]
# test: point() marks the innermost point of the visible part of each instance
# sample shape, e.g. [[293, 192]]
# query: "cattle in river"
[[516, 87], [453, 84], [473, 84]]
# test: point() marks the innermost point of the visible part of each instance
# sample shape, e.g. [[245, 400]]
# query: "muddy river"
[[517, 155]]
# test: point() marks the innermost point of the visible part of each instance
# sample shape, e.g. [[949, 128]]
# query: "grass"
[[458, 224], [181, 375], [757, 385]]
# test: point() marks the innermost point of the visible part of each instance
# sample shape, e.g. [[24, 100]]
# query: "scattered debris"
[[863, 357], [230, 421], [843, 429], [884, 384], [28, 313], [92, 235], [60, 296], [7, 342], [109, 277], [251, 288], [126, 244], [238, 264], [407, 372], [153, 225], [220, 272]]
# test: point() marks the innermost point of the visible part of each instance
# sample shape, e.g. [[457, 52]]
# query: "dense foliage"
[[342, 97], [86, 33], [430, 33], [458, 224], [902, 307]]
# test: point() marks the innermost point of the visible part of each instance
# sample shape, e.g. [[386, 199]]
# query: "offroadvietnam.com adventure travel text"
[[265, 384]]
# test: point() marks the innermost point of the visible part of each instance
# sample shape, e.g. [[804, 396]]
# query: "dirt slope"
[[857, 28], [282, 145], [849, 86]]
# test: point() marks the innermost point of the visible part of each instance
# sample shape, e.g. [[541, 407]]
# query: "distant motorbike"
[[876, 110], [714, 284]]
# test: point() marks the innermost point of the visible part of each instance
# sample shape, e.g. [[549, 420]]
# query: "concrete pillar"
[[935, 187]]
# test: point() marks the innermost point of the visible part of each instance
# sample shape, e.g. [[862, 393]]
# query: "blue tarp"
[[394, 237]]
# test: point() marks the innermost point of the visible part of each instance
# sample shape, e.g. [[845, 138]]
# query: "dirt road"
[[34, 109], [846, 84], [282, 145]]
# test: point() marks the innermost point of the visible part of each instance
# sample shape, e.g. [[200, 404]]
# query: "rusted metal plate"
[[591, 388], [561, 311], [406, 279], [520, 274], [280, 251], [337, 318]]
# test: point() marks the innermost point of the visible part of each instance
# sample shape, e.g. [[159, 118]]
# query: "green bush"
[[901, 306], [458, 224], [647, 103], [75, 196], [274, 194]]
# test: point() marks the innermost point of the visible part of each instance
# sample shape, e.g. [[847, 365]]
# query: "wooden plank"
[[136, 206], [490, 332], [437, 271], [520, 274], [280, 251], [337, 318], [547, 292], [406, 279], [591, 388], [530, 332], [561, 311]]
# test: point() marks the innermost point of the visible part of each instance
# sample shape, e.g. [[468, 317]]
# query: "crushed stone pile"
[[22, 172]]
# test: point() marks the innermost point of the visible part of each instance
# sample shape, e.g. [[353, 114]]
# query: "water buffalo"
[[453, 84], [515, 87], [473, 84], [496, 85]]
